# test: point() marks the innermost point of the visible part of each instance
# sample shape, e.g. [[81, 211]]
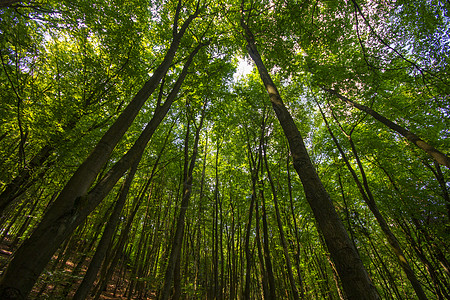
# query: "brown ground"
[[56, 283]]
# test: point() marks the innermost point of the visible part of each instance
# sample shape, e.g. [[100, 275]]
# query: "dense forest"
[[193, 149]]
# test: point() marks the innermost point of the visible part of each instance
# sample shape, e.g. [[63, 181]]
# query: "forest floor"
[[54, 284]]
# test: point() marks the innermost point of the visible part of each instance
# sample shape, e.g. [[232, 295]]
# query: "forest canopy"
[[139, 161]]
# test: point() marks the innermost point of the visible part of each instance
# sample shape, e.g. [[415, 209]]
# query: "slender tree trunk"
[[347, 212], [175, 252], [392, 285], [254, 168], [280, 229], [443, 184], [267, 258], [25, 224], [262, 266], [71, 207], [216, 224], [76, 271], [438, 287], [6, 230], [392, 239], [440, 157], [232, 255], [20, 183], [113, 256], [198, 259], [367, 195], [355, 280], [437, 172], [106, 238], [437, 253], [248, 255], [297, 238]]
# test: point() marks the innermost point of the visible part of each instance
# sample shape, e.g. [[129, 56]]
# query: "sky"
[[244, 67]]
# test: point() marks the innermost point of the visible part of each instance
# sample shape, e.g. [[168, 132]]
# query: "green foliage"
[[69, 68]]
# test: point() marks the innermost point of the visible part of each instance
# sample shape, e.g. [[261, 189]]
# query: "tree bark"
[[355, 280], [440, 157], [248, 255], [175, 252], [367, 195], [20, 183], [281, 231], [297, 239], [71, 208], [267, 258], [106, 238]]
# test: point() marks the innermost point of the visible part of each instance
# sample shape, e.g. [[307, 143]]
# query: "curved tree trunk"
[[440, 157]]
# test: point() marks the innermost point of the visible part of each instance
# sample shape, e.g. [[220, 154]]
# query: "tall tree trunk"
[[248, 255], [254, 164], [440, 157], [297, 238], [106, 238], [267, 258], [418, 247], [355, 280], [113, 255], [216, 224], [281, 231], [437, 172], [367, 195], [71, 207], [262, 266], [432, 272], [175, 252], [26, 223]]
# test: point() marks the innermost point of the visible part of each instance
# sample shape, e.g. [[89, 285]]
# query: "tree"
[[98, 149]]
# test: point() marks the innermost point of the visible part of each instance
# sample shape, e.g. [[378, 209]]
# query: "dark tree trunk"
[[440, 157], [262, 266], [297, 238], [281, 231], [267, 258], [248, 255], [20, 183], [71, 207], [175, 252], [355, 280], [106, 238], [254, 164], [367, 195]]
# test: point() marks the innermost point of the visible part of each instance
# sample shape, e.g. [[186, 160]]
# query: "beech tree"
[[240, 149]]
